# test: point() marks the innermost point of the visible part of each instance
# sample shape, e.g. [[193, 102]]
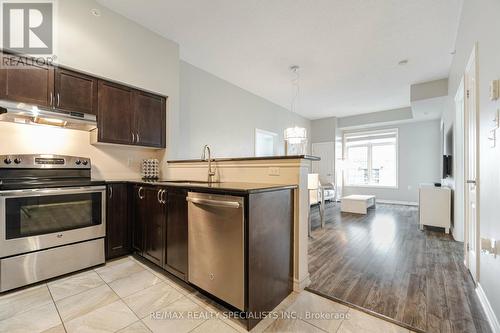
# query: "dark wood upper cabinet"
[[26, 82], [150, 118], [176, 251], [117, 221], [154, 244], [115, 113], [75, 92], [131, 117]]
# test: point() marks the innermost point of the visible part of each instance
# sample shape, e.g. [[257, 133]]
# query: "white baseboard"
[[395, 202], [301, 285], [490, 315]]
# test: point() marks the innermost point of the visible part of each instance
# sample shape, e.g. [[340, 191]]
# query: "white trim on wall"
[[490, 314], [396, 202]]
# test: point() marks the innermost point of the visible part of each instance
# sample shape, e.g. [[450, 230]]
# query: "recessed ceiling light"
[[95, 12], [403, 62]]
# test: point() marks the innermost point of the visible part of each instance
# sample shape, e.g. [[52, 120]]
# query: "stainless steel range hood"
[[22, 113]]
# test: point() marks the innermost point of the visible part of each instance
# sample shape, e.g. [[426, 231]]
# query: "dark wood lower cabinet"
[[154, 243], [176, 249], [139, 217], [270, 250], [117, 221], [150, 218]]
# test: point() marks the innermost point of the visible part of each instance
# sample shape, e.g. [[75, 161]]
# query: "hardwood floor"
[[382, 262]]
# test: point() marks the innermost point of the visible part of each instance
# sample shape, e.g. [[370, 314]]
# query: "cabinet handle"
[[158, 196], [51, 99], [163, 197], [58, 99], [111, 192], [139, 193], [133, 137], [138, 137]]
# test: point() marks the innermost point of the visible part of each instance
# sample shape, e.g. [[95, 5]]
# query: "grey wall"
[[419, 161], [218, 113], [479, 23], [323, 130]]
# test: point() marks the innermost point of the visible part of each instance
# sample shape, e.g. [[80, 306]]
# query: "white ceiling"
[[348, 50]]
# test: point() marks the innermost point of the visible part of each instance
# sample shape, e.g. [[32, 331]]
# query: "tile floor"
[[126, 295]]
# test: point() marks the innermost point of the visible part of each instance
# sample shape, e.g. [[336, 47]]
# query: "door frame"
[[459, 165], [472, 63]]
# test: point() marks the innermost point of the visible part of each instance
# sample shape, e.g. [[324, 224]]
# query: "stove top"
[[44, 171]]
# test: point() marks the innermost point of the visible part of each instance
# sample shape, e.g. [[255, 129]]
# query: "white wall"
[[108, 46], [419, 162], [224, 116], [479, 23]]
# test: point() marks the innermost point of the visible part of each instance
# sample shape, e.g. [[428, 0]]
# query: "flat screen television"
[[447, 166]]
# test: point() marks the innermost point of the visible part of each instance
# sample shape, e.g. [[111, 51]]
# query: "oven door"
[[36, 219]]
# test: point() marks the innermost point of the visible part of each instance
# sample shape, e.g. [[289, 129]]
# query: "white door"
[[471, 167], [325, 167]]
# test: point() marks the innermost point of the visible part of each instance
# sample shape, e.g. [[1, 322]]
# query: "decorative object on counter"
[[150, 169], [295, 137]]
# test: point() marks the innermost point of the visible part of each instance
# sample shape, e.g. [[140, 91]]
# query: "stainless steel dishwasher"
[[216, 246]]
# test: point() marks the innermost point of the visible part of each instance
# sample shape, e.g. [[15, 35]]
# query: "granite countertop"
[[290, 157], [212, 187]]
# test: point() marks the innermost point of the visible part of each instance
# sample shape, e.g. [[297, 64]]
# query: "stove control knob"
[[78, 162], [85, 162], [7, 161], [17, 161]]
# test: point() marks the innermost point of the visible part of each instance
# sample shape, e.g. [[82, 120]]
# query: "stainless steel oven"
[[52, 218], [36, 219]]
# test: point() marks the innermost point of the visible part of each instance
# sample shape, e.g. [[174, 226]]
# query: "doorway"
[[324, 167]]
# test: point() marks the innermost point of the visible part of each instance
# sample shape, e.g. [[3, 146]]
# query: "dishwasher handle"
[[216, 203]]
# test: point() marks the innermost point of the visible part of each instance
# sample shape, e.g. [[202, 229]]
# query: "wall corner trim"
[[490, 315]]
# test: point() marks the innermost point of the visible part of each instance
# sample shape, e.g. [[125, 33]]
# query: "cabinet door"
[[149, 119], [22, 80], [114, 116], [140, 217], [117, 222], [75, 92], [155, 226], [176, 253]]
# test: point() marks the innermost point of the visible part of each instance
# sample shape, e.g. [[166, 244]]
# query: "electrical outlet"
[[274, 171]]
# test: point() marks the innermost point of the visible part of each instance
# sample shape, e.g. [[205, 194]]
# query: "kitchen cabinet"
[[154, 244], [131, 117], [115, 113], [149, 222], [149, 119], [25, 81], [176, 249], [117, 221], [75, 92], [139, 217]]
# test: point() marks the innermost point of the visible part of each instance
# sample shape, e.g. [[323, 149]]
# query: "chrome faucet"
[[211, 173]]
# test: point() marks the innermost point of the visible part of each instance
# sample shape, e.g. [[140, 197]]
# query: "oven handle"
[[51, 191]]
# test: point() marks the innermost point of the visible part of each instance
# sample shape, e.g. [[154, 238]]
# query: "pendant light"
[[295, 135]]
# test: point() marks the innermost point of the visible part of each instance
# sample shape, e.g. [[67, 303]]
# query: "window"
[[266, 143], [371, 158]]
